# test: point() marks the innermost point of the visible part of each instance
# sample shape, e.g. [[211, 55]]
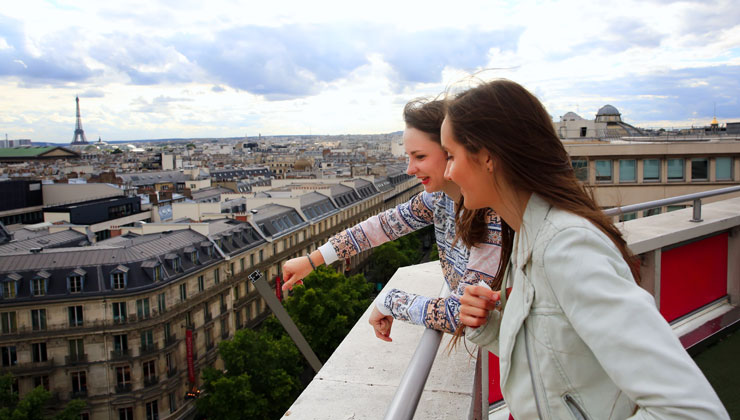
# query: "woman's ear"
[[489, 162]]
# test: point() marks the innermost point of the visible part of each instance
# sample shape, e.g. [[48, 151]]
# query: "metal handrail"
[[695, 197], [412, 383]]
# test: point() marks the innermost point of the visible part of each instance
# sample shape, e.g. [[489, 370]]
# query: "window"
[[236, 292], [675, 170], [120, 343], [75, 316], [157, 273], [38, 286], [74, 284], [41, 381], [123, 376], [674, 208], [251, 260], [148, 368], [216, 275], [183, 292], [723, 168], [76, 349], [126, 413], [262, 255], [627, 170], [194, 257], [189, 318], [603, 171], [119, 312], [161, 303], [9, 322], [201, 283], [142, 308], [699, 169], [583, 131], [176, 263], [241, 264], [231, 268], [147, 340], [79, 381], [651, 170], [118, 281], [10, 289], [38, 352], [38, 319], [10, 358], [84, 416], [169, 362], [152, 412], [651, 212], [238, 318], [173, 402]]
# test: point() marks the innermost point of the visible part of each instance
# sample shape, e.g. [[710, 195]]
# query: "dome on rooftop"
[[607, 110]]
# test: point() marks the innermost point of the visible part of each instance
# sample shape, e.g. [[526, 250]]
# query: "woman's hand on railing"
[[476, 303], [294, 271], [381, 324]]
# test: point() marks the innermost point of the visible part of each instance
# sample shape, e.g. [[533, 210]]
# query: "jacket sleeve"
[[386, 226], [443, 314], [619, 322]]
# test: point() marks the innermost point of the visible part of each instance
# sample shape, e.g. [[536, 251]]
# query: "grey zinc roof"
[[100, 255], [311, 198], [146, 178], [53, 240]]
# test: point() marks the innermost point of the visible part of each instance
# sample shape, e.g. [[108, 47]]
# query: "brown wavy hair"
[[504, 119], [425, 115]]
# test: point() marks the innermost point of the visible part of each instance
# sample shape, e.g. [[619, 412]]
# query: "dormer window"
[[40, 283], [207, 247], [10, 286], [174, 261], [192, 254], [76, 281], [119, 278], [154, 269]]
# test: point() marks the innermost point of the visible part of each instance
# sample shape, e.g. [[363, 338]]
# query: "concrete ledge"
[[360, 379], [655, 232]]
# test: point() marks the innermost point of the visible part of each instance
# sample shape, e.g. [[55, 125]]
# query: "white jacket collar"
[[534, 215]]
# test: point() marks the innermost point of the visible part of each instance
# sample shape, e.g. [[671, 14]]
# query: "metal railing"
[[408, 393], [695, 197]]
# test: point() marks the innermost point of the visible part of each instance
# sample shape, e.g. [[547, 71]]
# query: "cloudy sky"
[[186, 68]]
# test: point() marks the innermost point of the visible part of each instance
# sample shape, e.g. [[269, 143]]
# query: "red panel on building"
[[494, 379], [189, 355], [692, 276]]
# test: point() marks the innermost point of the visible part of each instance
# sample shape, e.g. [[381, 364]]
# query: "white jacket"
[[578, 337]]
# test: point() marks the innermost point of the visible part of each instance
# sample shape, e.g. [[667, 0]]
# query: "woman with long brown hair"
[[461, 265], [575, 335]]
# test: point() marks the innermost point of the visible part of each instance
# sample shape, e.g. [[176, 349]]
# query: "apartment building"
[[129, 322]]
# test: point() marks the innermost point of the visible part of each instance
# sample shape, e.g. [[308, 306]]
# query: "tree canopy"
[[33, 406]]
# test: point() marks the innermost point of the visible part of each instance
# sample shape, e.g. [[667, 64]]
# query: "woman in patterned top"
[[461, 265]]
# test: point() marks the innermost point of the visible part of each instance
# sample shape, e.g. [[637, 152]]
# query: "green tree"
[[260, 379], [33, 405], [327, 307], [434, 253]]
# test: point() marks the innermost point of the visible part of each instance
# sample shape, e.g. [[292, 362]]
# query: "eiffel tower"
[[79, 138]]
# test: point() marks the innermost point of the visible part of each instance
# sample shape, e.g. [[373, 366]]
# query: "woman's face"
[[426, 159], [471, 172]]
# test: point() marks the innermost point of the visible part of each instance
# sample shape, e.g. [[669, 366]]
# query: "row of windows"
[[651, 169]]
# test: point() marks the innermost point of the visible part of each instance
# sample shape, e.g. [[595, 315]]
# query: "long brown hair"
[[511, 124]]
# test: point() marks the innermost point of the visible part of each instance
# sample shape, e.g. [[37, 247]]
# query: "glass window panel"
[[603, 170], [699, 169], [651, 170], [580, 166], [675, 169], [627, 170], [723, 170]]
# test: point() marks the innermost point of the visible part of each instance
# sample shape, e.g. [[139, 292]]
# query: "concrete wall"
[[57, 194]]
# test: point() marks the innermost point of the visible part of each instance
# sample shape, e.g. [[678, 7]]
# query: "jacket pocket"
[[574, 408]]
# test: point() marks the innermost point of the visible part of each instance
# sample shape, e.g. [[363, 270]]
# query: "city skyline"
[[161, 70]]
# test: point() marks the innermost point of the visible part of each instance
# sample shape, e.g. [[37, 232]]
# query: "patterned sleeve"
[[443, 314], [386, 226]]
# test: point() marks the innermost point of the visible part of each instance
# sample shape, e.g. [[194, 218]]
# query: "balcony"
[[224, 308], [172, 372], [667, 244], [207, 317], [78, 395], [151, 381], [119, 354], [31, 367], [224, 334], [170, 340], [148, 348], [75, 359], [123, 388]]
